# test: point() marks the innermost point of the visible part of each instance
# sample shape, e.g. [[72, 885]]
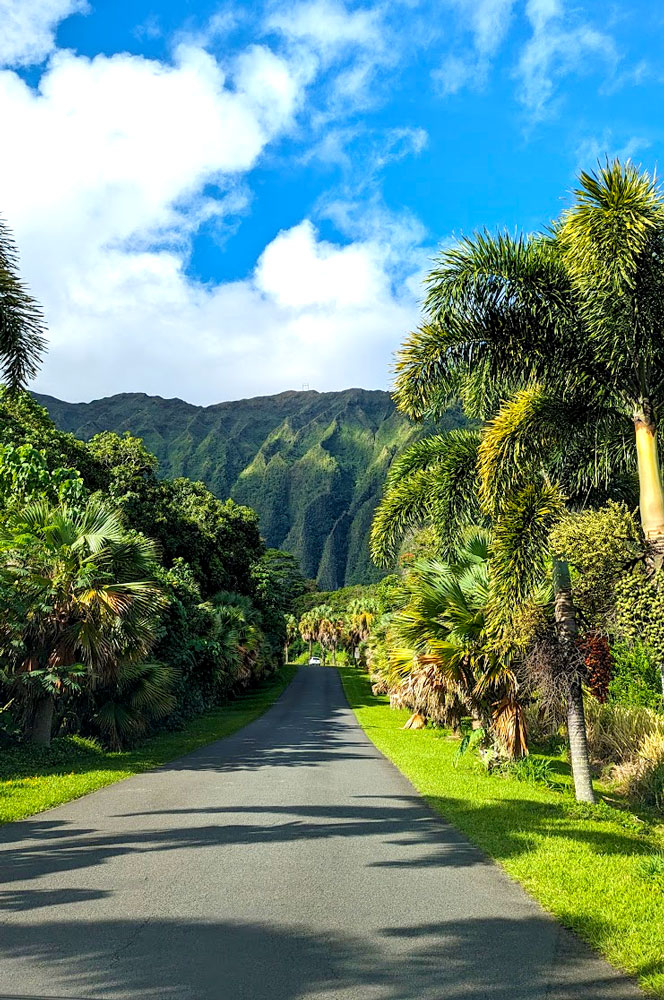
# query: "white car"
[[314, 661]]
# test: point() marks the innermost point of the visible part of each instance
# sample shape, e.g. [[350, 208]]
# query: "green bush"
[[538, 770], [636, 677]]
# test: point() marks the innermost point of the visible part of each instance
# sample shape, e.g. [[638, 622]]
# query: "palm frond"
[[22, 328], [438, 487]]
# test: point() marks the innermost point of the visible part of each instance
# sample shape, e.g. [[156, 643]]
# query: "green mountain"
[[312, 464]]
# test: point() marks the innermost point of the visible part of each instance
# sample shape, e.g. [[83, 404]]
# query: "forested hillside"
[[312, 464]]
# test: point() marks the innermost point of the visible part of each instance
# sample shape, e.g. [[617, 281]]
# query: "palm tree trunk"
[[565, 615], [41, 721], [651, 494], [311, 647]]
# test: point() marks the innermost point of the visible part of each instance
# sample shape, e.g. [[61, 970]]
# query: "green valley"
[[312, 464]]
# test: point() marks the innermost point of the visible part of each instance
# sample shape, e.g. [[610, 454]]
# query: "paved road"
[[289, 861]]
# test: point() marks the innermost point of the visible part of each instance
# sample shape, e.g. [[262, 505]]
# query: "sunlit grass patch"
[[595, 868]]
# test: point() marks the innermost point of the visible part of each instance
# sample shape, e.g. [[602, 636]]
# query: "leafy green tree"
[[219, 539], [23, 422], [25, 476], [22, 339], [77, 599]]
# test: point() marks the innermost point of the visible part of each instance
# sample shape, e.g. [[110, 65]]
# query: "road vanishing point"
[[290, 861]]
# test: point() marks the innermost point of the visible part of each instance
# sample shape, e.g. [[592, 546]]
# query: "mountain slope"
[[312, 464]]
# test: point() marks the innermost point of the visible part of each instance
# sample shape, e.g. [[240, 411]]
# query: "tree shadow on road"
[[473, 959]]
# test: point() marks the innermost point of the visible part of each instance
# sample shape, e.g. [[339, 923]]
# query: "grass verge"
[[33, 779], [599, 870]]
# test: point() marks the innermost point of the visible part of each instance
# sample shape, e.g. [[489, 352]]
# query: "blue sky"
[[221, 200]]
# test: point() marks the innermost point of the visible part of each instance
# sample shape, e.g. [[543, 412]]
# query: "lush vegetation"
[[539, 597], [598, 869], [129, 602], [310, 464]]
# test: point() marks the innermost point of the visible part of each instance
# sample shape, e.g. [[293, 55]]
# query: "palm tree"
[[357, 627], [579, 311], [141, 694], [525, 481], [308, 626], [442, 637], [433, 482], [22, 339], [291, 633], [79, 597], [239, 637]]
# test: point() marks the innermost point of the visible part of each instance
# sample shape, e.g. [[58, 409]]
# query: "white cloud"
[[487, 22], [105, 191], [297, 271], [558, 47], [594, 148], [328, 26], [27, 34], [361, 44], [312, 312]]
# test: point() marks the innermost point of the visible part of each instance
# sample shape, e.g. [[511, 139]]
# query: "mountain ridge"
[[311, 463]]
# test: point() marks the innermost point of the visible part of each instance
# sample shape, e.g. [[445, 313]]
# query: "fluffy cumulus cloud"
[[117, 162], [27, 33]]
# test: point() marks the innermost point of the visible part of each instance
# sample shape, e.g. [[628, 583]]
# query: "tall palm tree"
[[525, 482], [308, 628], [22, 340], [290, 633], [78, 595], [579, 310]]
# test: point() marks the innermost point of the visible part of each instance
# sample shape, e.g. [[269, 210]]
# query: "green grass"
[[33, 779], [598, 869]]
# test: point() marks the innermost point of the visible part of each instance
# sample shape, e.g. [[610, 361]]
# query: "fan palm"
[[142, 694], [308, 626], [442, 636], [78, 594], [22, 339]]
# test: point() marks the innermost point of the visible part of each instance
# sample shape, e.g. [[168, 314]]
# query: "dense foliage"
[[127, 601], [553, 342]]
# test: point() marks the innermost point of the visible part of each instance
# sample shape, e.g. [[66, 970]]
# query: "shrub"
[[599, 543], [642, 778], [636, 678], [616, 731], [639, 612], [536, 770]]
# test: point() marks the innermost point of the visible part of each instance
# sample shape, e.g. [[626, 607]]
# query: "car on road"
[[314, 661]]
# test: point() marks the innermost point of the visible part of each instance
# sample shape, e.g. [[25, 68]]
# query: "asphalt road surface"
[[288, 861]]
